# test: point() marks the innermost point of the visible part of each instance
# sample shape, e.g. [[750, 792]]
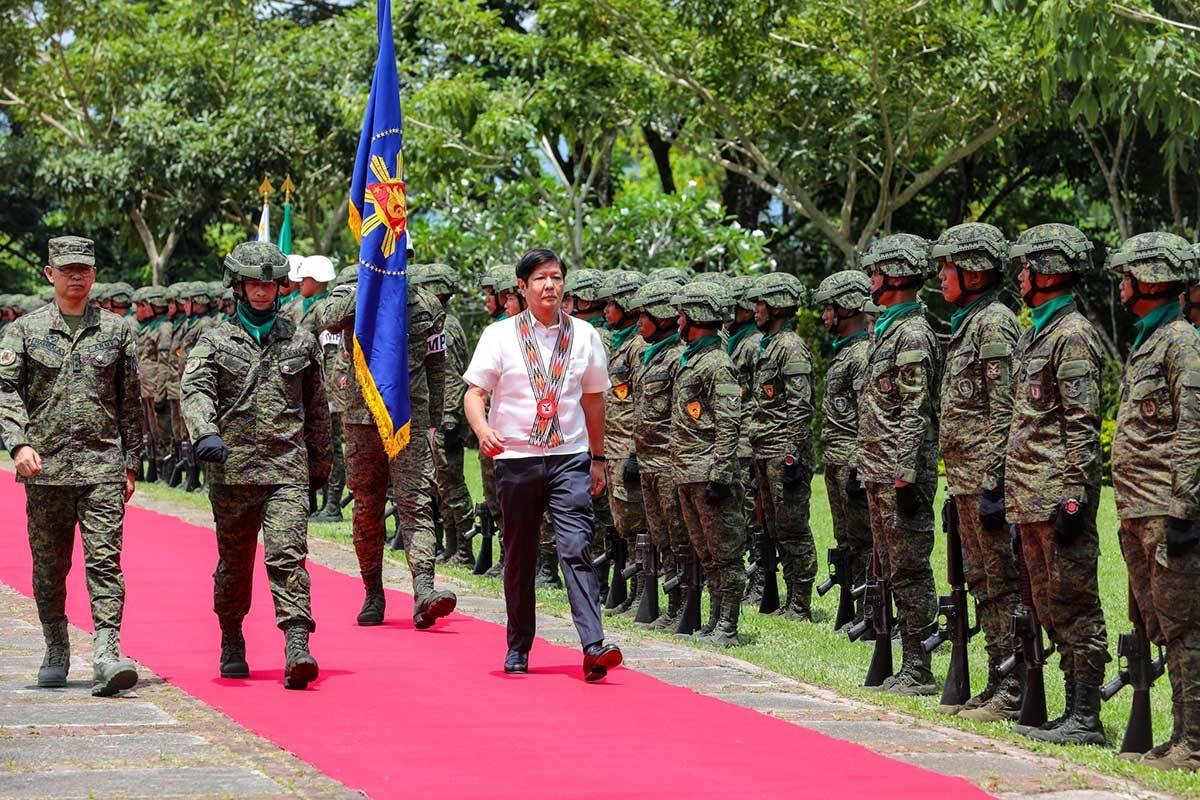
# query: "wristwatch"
[[599, 458]]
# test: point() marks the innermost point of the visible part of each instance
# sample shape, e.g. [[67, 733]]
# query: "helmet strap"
[[1140, 293], [896, 284]]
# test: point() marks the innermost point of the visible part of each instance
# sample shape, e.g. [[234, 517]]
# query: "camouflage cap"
[[899, 255], [120, 292], [256, 261], [654, 297], [738, 286], [66, 250], [849, 288], [585, 284], [347, 275], [1053, 248], [439, 278], [1157, 257], [620, 285], [777, 290], [704, 301], [974, 246], [677, 274]]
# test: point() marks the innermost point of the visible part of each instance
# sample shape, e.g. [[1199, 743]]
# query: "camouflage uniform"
[[742, 347], [154, 363], [179, 324], [1054, 454], [334, 367], [976, 402], [897, 440], [410, 474], [781, 432], [1156, 479], [706, 409]]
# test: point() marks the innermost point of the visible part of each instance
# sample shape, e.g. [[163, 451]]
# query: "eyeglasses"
[[75, 270]]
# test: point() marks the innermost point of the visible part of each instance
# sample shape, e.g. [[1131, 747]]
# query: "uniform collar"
[[91, 316]]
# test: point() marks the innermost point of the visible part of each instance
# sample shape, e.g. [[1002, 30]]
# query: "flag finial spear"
[[287, 187], [266, 189]]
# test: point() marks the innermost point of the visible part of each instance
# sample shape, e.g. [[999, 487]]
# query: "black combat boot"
[[1068, 708], [799, 602], [233, 650], [631, 599], [715, 598], [669, 619], [300, 668], [1083, 726], [1005, 702], [915, 678], [57, 661], [547, 572], [725, 632], [431, 604], [332, 510], [374, 601]]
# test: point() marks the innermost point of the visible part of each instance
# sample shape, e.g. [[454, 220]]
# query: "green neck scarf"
[[598, 322], [894, 313], [503, 316], [960, 316], [735, 338], [1155, 320], [620, 335], [767, 338], [1043, 313], [309, 302], [838, 344], [257, 323], [698, 346], [649, 352]]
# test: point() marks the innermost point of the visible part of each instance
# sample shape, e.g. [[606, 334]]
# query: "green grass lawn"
[[815, 654]]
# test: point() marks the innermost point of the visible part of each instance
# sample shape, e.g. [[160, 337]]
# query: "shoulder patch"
[[1191, 378], [193, 364], [910, 357], [1075, 368], [797, 367], [7, 358], [728, 390], [995, 350]]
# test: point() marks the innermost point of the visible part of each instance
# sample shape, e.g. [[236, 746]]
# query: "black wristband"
[[601, 459]]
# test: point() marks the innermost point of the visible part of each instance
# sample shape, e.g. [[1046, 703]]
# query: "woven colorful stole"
[[546, 430]]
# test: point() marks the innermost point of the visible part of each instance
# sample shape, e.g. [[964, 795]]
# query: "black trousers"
[[527, 487]]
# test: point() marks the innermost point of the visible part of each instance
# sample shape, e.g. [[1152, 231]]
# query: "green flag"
[[285, 230]]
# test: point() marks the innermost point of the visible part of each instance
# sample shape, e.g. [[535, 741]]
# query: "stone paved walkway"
[[159, 742]]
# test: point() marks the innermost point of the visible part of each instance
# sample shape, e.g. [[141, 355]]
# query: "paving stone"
[[870, 732], [976, 766], [103, 748], [91, 714], [709, 678], [164, 782], [782, 701], [1074, 794], [29, 664], [12, 623]]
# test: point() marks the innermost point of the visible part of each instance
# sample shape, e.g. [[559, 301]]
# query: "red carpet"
[[398, 713]]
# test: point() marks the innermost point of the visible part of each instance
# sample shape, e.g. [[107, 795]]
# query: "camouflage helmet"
[[849, 289], [488, 279], [703, 301], [585, 284], [620, 285], [120, 292], [1053, 248], [198, 291], [901, 255], [176, 291], [677, 274], [1157, 257], [154, 295], [215, 288], [227, 294], [738, 286], [99, 291], [654, 297], [973, 246], [47, 295], [347, 275], [719, 278], [256, 261], [31, 302], [505, 282], [777, 290], [438, 278]]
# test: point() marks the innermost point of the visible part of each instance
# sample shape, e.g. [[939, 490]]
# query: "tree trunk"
[[660, 150]]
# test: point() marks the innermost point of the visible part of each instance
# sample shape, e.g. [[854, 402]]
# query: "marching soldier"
[[705, 417], [1156, 473], [70, 416], [897, 445], [781, 434], [976, 415], [742, 347], [255, 407], [1052, 470], [844, 298]]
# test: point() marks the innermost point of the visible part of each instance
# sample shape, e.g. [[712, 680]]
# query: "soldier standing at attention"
[[658, 323], [1052, 471], [976, 415], [844, 298], [897, 445], [71, 417], [154, 363], [1156, 473], [781, 434], [705, 417], [487, 468], [255, 407], [454, 499], [1189, 298], [410, 474]]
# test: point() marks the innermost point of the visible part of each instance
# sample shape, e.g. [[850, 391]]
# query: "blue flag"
[[378, 216]]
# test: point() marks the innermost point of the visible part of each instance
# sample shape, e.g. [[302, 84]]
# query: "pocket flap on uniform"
[[728, 390], [995, 350], [797, 368], [1075, 368], [1036, 365], [1191, 379], [960, 363], [909, 357], [292, 366], [1144, 388], [858, 384]]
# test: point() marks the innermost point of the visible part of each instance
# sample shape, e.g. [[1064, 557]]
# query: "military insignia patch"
[[1149, 408], [966, 387], [993, 370], [621, 391], [7, 357], [343, 382], [193, 364], [908, 374], [885, 384], [840, 404], [694, 410], [1072, 388], [1035, 391], [768, 390]]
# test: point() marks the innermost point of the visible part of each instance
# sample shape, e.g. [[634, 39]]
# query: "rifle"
[[953, 608], [877, 621], [150, 439], [647, 566], [1027, 633], [768, 560], [839, 575], [689, 610], [1140, 672], [614, 555], [485, 526]]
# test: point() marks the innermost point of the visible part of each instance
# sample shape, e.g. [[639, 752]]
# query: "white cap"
[[408, 244], [294, 262], [319, 268]]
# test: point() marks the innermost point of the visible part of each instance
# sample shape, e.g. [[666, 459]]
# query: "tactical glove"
[[631, 473], [1182, 536], [316, 483], [906, 500], [211, 449], [715, 492], [1069, 520], [854, 488], [794, 472], [452, 437], [991, 509]]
